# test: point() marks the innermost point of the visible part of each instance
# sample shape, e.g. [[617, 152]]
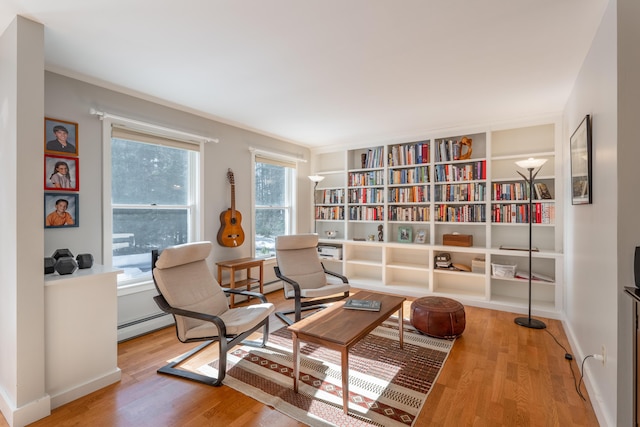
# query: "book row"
[[408, 213], [461, 172], [357, 179], [330, 213], [373, 158], [364, 213], [366, 195], [417, 175], [448, 150], [419, 194], [462, 213], [542, 213], [332, 196], [409, 154], [471, 192]]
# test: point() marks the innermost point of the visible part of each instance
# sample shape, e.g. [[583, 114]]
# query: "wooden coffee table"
[[340, 329]]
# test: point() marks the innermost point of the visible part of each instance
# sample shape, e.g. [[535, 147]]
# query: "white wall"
[[600, 238], [22, 381], [70, 99], [628, 180]]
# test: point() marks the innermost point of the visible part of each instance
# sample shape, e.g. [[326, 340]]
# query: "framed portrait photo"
[[61, 210], [421, 236], [60, 137], [581, 163], [61, 173], [405, 234]]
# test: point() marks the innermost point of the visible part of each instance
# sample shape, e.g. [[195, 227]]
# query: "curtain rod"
[[103, 115], [273, 154]]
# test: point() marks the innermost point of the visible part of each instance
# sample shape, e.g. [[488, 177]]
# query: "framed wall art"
[[60, 137], [580, 147], [61, 173], [61, 210]]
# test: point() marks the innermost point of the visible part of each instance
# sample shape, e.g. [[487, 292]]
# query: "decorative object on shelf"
[[66, 265], [331, 234], [404, 234], [380, 233], [478, 265], [457, 239], [465, 142], [371, 237], [61, 253], [316, 179], [581, 163], [49, 265], [84, 261], [530, 164], [421, 236], [443, 260]]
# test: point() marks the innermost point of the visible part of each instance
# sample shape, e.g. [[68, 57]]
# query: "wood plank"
[[488, 380]]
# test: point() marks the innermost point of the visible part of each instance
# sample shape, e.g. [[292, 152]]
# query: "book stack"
[[361, 304]]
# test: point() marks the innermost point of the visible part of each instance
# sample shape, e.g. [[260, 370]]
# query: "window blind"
[[122, 132]]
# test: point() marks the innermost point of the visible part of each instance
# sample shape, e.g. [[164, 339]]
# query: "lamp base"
[[528, 322]]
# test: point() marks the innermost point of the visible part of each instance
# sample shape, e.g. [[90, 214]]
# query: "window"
[[153, 199], [274, 202]]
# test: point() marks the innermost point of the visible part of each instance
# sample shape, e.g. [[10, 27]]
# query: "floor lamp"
[[315, 179], [530, 164]]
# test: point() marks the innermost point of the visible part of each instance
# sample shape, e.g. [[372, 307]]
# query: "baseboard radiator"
[[160, 320]]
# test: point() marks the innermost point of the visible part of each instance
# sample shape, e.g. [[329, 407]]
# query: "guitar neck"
[[233, 200]]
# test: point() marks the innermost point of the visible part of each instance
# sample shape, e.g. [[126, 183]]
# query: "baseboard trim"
[[26, 414], [83, 389]]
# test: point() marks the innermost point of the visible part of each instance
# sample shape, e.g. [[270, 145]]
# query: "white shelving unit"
[[413, 185]]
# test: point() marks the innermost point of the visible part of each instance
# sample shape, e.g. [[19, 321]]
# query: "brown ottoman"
[[438, 316]]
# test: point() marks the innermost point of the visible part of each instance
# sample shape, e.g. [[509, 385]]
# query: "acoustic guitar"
[[231, 233]]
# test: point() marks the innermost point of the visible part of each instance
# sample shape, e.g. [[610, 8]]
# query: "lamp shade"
[[531, 163], [316, 178]]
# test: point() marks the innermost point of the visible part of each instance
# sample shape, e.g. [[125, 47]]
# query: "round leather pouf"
[[438, 317]]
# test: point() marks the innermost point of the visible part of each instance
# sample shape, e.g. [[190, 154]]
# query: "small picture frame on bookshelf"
[[421, 236], [405, 234]]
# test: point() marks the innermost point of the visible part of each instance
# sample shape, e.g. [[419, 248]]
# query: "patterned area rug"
[[387, 385]]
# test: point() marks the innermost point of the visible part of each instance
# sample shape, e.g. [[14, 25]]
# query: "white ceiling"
[[326, 72]]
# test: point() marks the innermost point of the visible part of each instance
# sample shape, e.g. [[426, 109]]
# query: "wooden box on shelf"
[[465, 240]]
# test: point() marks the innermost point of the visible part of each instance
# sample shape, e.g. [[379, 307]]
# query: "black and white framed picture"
[[581, 163]]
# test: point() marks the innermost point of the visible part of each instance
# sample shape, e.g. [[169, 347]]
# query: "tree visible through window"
[[152, 200], [273, 203]]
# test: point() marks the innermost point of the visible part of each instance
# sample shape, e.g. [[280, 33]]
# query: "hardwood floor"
[[498, 374]]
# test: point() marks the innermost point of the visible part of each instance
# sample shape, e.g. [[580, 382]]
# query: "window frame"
[[291, 209], [196, 180]]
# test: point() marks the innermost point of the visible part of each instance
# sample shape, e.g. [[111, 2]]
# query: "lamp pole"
[[530, 164], [315, 179]]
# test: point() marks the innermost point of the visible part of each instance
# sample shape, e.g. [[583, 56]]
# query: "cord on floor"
[[569, 357]]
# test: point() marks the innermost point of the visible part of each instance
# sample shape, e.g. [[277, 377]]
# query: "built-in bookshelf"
[[466, 183]]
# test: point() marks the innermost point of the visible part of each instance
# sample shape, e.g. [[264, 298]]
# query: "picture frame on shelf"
[[60, 137], [421, 236], [61, 173], [580, 149], [405, 234]]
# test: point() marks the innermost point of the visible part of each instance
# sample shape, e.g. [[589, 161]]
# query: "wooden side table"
[[240, 264]]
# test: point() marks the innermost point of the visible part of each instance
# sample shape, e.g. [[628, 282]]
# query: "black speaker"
[[49, 265], [84, 260], [66, 265], [59, 253], [636, 266]]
